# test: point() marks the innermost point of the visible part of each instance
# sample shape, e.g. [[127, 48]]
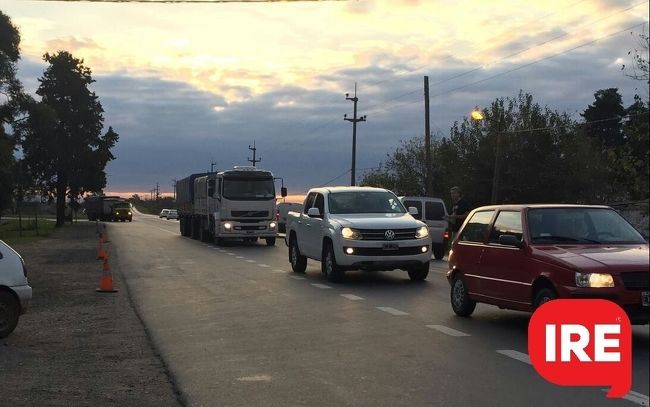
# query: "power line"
[[513, 69]]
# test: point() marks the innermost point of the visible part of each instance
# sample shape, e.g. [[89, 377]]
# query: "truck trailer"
[[231, 204]]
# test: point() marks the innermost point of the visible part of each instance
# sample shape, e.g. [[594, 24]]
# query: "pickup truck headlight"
[[594, 280], [422, 232], [272, 225], [227, 225], [349, 233], [129, 213]]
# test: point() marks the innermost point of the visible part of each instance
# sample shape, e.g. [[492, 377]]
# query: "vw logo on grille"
[[390, 235]]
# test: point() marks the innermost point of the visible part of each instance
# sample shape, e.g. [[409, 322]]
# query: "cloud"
[[72, 44]]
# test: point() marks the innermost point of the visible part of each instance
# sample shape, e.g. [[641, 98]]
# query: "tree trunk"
[[61, 185]]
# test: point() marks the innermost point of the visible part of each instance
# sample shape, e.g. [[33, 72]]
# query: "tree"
[[11, 98], [62, 140], [640, 66], [605, 118]]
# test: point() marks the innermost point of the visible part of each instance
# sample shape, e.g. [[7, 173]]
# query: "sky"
[[190, 84]]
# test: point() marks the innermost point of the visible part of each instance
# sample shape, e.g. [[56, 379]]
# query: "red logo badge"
[[582, 342]]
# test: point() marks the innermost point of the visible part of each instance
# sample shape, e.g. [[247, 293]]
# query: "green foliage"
[[61, 139]]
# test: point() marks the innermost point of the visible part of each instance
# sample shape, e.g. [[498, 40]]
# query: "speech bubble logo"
[[582, 342]]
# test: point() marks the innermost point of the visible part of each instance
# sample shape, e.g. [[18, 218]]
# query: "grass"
[[11, 233]]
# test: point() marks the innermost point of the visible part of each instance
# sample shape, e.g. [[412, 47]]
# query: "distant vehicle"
[[231, 204], [521, 256], [431, 211], [122, 211], [101, 207], [172, 214], [15, 292], [281, 211], [351, 228], [163, 213]]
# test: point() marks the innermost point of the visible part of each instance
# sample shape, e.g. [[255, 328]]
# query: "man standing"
[[459, 211]]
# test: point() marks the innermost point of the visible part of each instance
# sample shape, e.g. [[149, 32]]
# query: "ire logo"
[[582, 343]]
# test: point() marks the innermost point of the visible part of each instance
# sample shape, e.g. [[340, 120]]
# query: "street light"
[[477, 115]]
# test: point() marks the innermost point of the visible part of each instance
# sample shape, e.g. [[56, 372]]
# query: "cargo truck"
[[101, 207], [231, 204]]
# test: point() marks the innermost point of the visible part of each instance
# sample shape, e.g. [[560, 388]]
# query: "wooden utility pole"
[[354, 121], [428, 178]]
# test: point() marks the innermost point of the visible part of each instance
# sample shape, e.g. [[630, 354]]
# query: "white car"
[[172, 214], [352, 228], [164, 213], [15, 293]]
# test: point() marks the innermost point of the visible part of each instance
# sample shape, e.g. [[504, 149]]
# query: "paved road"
[[237, 328]]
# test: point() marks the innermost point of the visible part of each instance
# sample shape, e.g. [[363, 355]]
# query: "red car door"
[[468, 248], [506, 278]]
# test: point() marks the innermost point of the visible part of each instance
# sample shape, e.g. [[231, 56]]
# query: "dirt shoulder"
[[76, 346]]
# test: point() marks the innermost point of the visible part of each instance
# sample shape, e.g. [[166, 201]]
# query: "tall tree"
[[11, 98], [605, 118], [62, 141]]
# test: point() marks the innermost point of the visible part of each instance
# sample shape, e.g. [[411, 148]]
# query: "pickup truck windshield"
[[248, 189], [364, 202], [124, 205], [580, 225]]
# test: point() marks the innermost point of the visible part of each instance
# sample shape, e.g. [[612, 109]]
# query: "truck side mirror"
[[413, 210], [313, 212], [283, 192]]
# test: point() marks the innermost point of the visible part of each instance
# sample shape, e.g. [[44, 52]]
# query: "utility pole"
[[428, 178], [212, 164], [497, 164], [174, 187], [354, 121], [254, 150], [157, 191]]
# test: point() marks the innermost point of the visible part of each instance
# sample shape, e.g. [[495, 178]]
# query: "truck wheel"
[[270, 241], [219, 241], [297, 260], [195, 229], [181, 226], [438, 251], [462, 305], [420, 272], [9, 310], [332, 271]]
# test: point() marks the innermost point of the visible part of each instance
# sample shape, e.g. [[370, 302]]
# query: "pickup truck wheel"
[[270, 241], [420, 272], [543, 296], [332, 271], [9, 310], [460, 302], [438, 251], [297, 260]]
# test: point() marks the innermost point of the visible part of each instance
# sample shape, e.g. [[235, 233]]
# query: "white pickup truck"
[[352, 228]]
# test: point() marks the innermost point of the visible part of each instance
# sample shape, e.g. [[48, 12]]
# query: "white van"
[[431, 211]]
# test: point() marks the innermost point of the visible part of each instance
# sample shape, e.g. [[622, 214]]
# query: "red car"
[[520, 256]]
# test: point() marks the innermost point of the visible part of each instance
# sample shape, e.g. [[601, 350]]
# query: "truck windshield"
[[124, 205], [248, 189], [364, 202], [580, 225]]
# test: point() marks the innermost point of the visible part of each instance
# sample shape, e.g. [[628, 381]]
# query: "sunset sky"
[[187, 83]]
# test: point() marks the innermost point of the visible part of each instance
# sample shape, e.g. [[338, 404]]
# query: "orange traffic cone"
[[101, 253], [106, 281]]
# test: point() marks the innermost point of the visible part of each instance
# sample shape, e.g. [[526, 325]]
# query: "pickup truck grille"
[[378, 251], [249, 214], [637, 280], [380, 234]]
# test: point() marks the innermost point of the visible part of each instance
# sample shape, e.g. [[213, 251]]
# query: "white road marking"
[[321, 286], [230, 254], [297, 278], [255, 378], [447, 331], [522, 357], [240, 257], [279, 271], [352, 297], [636, 398], [251, 261], [264, 265], [163, 267], [392, 311]]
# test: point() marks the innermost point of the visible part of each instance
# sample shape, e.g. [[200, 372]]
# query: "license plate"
[[390, 246], [645, 298], [250, 232]]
